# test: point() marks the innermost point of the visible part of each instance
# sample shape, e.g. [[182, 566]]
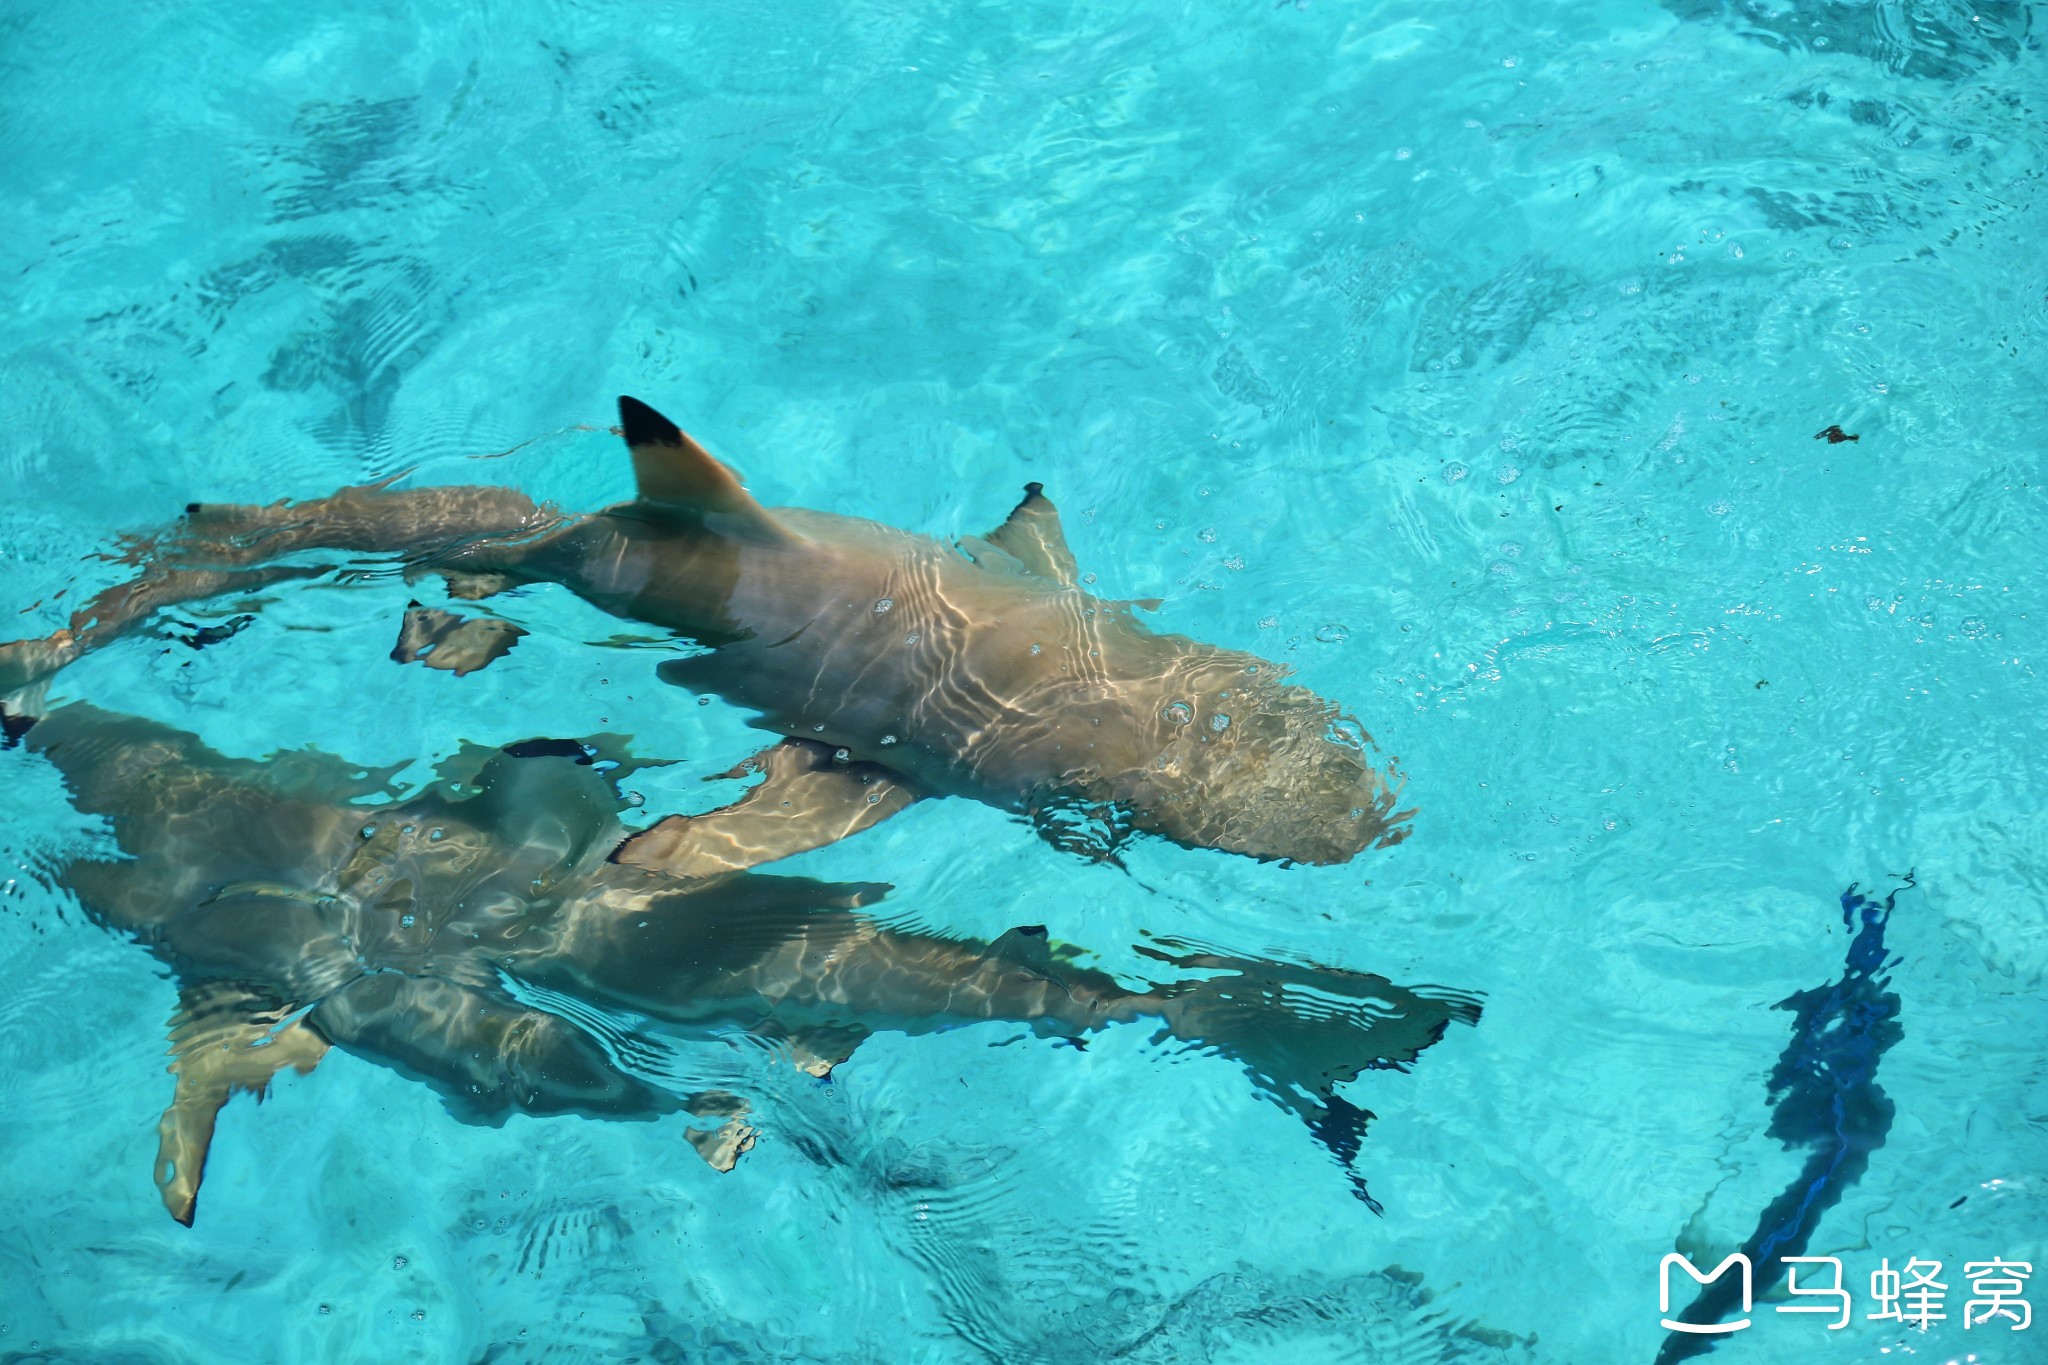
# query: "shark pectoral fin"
[[805, 801], [673, 471], [223, 1039], [1033, 537], [487, 1054], [24, 663], [457, 644], [723, 1146], [465, 586]]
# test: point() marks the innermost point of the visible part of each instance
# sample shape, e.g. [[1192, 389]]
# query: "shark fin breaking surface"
[[673, 471], [1033, 536]]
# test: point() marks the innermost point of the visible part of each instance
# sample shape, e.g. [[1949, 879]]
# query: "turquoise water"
[[1468, 360]]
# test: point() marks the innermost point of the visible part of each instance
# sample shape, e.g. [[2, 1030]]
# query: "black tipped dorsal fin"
[[1032, 536], [1026, 945], [674, 471]]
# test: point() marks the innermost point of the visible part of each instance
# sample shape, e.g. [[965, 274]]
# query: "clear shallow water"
[[1467, 362]]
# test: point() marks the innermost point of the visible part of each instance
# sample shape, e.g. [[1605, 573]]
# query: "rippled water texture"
[[1467, 359]]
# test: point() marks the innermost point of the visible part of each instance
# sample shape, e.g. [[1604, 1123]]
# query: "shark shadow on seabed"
[[477, 937], [1826, 1097]]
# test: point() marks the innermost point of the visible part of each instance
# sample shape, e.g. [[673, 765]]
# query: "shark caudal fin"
[[674, 472], [1300, 1031]]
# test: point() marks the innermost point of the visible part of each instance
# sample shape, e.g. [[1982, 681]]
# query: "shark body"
[[300, 903], [897, 666]]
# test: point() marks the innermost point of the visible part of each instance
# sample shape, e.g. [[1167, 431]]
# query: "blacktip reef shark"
[[301, 903], [896, 665]]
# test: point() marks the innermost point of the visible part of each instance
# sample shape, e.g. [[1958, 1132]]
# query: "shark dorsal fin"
[[673, 471], [1032, 536], [1027, 946]]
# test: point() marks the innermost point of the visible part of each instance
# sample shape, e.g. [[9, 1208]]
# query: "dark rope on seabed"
[[1826, 1095]]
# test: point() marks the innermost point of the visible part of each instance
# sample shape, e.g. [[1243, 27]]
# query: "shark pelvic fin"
[[808, 798], [1033, 537], [223, 1039], [457, 644], [673, 471]]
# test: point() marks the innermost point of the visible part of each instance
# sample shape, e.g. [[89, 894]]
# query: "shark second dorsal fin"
[[1032, 536], [673, 471]]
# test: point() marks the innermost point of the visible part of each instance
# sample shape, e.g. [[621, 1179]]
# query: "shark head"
[[1269, 770]]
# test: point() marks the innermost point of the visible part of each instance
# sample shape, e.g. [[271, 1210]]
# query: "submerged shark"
[[897, 666], [302, 903]]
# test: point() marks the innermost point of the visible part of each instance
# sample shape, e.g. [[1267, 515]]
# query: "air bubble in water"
[[1179, 712], [369, 831], [1332, 634], [1219, 723], [1975, 627], [842, 755], [888, 739], [884, 605], [1454, 472]]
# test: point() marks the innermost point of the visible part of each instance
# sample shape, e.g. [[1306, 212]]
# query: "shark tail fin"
[[1300, 1031], [673, 471], [223, 1039]]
